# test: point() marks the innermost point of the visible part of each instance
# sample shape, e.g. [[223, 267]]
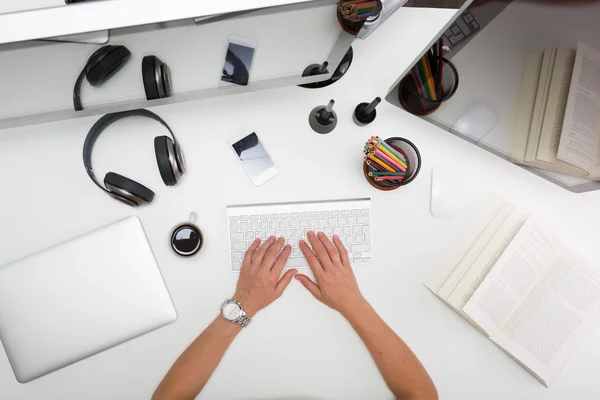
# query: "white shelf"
[[58, 19]]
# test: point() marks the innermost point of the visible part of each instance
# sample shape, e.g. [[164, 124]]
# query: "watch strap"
[[243, 321]]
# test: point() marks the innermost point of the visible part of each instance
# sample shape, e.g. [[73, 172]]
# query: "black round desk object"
[[365, 113], [323, 119], [340, 71]]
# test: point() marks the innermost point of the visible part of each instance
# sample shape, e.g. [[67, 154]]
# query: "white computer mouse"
[[447, 192]]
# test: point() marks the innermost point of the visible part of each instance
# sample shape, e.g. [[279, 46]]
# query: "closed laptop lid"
[[79, 298]]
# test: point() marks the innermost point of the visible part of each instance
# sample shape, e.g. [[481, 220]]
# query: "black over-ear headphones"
[[108, 60], [169, 157]]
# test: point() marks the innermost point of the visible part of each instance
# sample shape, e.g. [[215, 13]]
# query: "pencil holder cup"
[[413, 164], [354, 27], [413, 99]]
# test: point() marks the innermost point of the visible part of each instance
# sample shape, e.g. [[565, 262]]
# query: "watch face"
[[232, 311]]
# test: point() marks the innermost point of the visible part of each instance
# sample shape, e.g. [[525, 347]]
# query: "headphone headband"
[[103, 123]]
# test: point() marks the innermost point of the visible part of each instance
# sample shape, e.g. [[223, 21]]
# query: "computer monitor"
[[489, 43]]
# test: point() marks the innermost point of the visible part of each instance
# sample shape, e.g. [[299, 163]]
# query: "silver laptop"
[[79, 298]]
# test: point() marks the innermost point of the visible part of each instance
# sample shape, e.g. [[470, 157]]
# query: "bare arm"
[[258, 286], [337, 287]]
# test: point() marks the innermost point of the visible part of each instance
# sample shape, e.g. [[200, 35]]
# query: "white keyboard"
[[349, 219]]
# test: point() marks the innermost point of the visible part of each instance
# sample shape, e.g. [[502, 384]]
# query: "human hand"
[[336, 285], [259, 284]]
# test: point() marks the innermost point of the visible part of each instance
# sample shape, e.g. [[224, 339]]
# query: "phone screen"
[[238, 63], [253, 155]]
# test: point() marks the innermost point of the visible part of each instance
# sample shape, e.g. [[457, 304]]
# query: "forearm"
[[193, 368], [402, 371]]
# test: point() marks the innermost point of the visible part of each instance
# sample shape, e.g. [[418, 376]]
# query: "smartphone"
[[253, 155], [238, 61]]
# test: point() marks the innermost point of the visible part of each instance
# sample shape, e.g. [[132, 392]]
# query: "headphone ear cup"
[[166, 79], [166, 160], [129, 189], [106, 62], [150, 77]]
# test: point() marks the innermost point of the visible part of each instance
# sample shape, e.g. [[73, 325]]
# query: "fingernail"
[[310, 233], [272, 237], [302, 242], [336, 237], [297, 277]]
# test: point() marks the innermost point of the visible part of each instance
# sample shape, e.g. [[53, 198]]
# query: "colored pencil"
[[387, 173], [389, 178], [441, 68], [387, 158], [376, 167], [400, 160], [380, 162], [428, 78], [422, 76], [392, 150], [418, 86]]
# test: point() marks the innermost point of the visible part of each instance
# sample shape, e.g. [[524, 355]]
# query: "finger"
[[313, 261], [281, 260], [260, 253], [250, 253], [273, 252], [319, 249], [334, 255], [312, 287], [284, 282], [342, 251]]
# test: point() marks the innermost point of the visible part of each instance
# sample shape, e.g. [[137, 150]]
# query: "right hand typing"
[[336, 285]]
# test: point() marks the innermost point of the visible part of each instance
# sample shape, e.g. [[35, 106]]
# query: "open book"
[[513, 282], [558, 112]]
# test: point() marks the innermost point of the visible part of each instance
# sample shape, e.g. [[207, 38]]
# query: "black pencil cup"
[[413, 164], [415, 102]]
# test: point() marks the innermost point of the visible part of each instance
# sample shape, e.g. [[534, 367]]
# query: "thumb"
[[284, 282], [310, 285]]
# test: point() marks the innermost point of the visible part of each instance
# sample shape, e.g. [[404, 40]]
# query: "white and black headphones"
[[169, 158]]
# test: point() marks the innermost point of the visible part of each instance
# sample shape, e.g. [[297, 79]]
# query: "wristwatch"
[[233, 312]]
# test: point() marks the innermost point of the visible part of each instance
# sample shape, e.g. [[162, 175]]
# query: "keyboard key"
[[244, 218], [296, 253], [274, 216], [306, 230], [305, 214], [299, 233], [236, 256], [284, 223], [296, 262], [234, 219], [360, 248], [314, 214], [337, 230], [346, 230], [452, 39], [236, 265], [357, 255], [293, 223], [288, 233], [345, 213], [249, 235], [312, 222], [238, 246], [278, 233], [324, 214], [356, 229], [293, 242], [273, 224], [317, 230], [237, 236], [354, 212], [365, 212], [263, 225], [459, 37], [328, 231], [270, 233], [357, 261], [342, 221], [475, 25], [261, 235], [322, 222], [367, 238], [302, 223], [367, 260], [332, 221], [363, 220], [243, 226], [254, 218], [366, 229], [359, 239], [455, 29], [334, 213], [352, 220], [284, 215], [253, 226], [349, 240], [295, 215], [234, 227], [264, 217]]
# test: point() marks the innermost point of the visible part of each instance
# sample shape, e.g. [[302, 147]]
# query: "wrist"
[[247, 304], [354, 310]]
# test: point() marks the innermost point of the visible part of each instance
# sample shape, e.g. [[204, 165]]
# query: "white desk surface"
[[296, 348]]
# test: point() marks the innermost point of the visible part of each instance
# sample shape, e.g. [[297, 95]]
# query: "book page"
[[483, 263], [512, 276], [525, 105], [552, 321], [580, 129], [541, 101]]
